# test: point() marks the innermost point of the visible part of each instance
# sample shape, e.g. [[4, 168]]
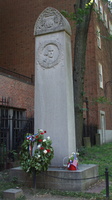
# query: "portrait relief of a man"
[[49, 54]]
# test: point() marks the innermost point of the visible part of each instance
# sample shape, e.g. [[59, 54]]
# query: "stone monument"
[[54, 105]]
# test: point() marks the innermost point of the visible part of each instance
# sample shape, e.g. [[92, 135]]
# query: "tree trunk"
[[79, 68]]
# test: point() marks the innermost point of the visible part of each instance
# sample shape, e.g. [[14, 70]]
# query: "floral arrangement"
[[73, 161], [36, 152]]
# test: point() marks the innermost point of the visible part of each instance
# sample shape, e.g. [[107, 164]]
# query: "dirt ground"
[[96, 188], [50, 197]]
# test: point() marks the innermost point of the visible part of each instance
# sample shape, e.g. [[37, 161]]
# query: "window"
[[101, 12], [18, 115], [110, 5], [11, 124], [100, 76], [110, 28], [105, 20], [103, 126], [96, 5], [98, 37], [4, 118], [96, 1]]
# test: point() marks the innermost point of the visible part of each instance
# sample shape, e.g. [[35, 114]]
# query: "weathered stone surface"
[[51, 20], [61, 178], [12, 194], [54, 104]]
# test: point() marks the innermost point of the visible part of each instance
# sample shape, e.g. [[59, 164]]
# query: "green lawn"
[[100, 155]]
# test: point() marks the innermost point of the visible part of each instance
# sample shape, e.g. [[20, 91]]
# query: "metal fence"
[[12, 134]]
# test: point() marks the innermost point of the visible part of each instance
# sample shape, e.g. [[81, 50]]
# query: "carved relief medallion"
[[49, 53]]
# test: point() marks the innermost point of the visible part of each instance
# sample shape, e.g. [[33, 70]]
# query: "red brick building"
[[17, 60]]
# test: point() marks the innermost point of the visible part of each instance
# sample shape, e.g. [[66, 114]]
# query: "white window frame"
[[101, 12], [100, 75], [103, 136], [96, 1], [110, 5], [98, 37], [96, 5], [110, 27], [105, 20]]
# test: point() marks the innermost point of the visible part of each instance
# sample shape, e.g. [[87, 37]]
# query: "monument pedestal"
[[60, 178]]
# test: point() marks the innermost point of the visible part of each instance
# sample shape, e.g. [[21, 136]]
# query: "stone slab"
[[12, 194], [60, 178]]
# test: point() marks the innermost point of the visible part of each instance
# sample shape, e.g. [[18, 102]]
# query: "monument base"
[[60, 178]]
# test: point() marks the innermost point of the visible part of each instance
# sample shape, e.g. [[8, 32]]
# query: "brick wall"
[[19, 94], [104, 56], [17, 49]]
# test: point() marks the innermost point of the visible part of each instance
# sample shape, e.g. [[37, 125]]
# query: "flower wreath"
[[36, 152]]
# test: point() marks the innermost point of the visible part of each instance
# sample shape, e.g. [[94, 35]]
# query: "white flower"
[[45, 151], [38, 146], [37, 156], [40, 130], [44, 140], [48, 138]]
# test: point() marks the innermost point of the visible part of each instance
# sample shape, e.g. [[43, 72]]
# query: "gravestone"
[[12, 193], [54, 105]]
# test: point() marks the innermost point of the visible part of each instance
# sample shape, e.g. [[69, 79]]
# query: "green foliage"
[[70, 16], [3, 153], [40, 159], [15, 180], [78, 17], [22, 197], [5, 183], [102, 100], [81, 195], [107, 37], [100, 155]]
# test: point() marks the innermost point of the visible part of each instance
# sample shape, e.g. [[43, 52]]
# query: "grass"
[[100, 155], [6, 184]]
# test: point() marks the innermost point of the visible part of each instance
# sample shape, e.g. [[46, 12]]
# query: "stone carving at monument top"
[[51, 20]]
